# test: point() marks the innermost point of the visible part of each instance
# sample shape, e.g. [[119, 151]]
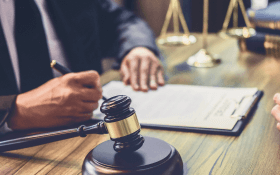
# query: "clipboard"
[[244, 117], [240, 115]]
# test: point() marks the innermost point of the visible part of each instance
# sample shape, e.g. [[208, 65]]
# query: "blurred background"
[[154, 11], [264, 16]]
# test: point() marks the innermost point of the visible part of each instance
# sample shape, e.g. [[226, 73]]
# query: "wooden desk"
[[255, 151]]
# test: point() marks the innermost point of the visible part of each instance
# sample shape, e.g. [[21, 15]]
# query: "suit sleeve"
[[122, 31], [6, 109]]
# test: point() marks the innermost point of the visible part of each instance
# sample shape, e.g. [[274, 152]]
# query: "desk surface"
[[255, 151]]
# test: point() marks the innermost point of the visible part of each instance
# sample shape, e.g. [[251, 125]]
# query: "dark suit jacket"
[[88, 30]]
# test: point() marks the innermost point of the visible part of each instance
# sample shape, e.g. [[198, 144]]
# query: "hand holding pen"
[[64, 70], [60, 101]]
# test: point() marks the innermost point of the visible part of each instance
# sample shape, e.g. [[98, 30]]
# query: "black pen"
[[64, 70]]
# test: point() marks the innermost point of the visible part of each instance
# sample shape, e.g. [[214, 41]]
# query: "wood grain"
[[255, 151]]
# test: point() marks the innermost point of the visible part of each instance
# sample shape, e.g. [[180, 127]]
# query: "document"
[[184, 105]]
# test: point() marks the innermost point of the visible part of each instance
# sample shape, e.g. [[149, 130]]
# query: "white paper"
[[182, 105]]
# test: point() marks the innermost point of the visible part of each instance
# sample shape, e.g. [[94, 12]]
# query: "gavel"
[[127, 153], [120, 122]]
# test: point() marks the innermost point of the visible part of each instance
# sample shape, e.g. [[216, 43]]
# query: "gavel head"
[[122, 124]]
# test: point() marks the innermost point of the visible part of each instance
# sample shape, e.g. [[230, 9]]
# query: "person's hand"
[[276, 109], [142, 69], [67, 99]]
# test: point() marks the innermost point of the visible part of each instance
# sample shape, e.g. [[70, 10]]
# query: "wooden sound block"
[[155, 157]]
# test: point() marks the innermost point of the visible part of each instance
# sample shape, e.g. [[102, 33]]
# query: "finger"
[[78, 107], [278, 126], [74, 96], [153, 78], [144, 71], [90, 94], [276, 112], [276, 98], [125, 72], [89, 107], [160, 77], [86, 78], [134, 64]]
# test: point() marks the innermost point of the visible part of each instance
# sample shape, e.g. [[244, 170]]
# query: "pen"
[[64, 70]]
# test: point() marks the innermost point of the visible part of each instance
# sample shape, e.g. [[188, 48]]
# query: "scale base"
[[155, 157], [203, 59], [238, 32], [176, 39]]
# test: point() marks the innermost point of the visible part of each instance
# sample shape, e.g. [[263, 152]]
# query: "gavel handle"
[[39, 139]]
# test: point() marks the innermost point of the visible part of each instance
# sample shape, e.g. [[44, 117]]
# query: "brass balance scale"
[[176, 38], [203, 58], [238, 32]]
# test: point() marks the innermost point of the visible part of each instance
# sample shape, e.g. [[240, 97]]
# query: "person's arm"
[[131, 39], [67, 99]]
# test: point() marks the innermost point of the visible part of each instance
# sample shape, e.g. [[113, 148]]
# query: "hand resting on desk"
[[142, 69], [60, 101]]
